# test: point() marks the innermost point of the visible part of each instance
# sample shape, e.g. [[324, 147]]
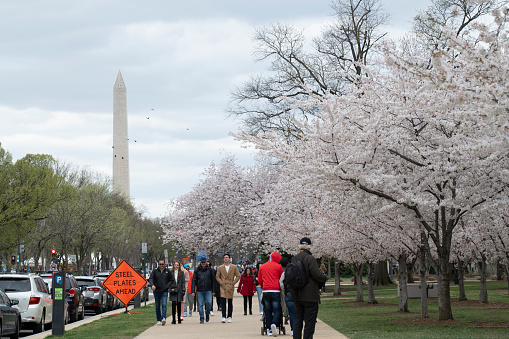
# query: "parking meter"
[[58, 294]]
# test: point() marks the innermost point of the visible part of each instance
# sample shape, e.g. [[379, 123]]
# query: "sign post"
[[144, 251], [58, 294], [125, 283]]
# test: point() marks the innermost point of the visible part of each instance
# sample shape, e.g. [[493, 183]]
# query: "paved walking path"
[[241, 326]]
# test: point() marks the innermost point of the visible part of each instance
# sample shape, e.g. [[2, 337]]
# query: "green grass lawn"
[[471, 320], [116, 326]]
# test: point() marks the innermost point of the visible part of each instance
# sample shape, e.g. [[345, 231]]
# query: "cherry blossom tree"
[[431, 140], [215, 214]]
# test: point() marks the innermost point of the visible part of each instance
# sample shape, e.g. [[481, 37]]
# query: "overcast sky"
[[179, 59]]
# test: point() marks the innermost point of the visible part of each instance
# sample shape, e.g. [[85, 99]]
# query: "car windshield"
[[15, 284], [86, 283]]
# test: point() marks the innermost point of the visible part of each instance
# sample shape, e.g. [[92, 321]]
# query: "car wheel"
[[67, 318], [74, 316], [38, 328], [81, 316], [15, 335], [48, 326], [98, 310]]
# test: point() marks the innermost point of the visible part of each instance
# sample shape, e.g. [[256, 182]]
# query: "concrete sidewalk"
[[241, 326]]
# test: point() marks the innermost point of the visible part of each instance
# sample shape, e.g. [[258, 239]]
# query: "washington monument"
[[120, 139]]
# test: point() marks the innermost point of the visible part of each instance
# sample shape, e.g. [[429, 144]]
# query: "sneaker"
[[291, 333], [158, 323], [274, 330], [223, 320], [207, 318], [190, 314], [201, 322], [181, 318], [261, 312], [269, 333], [229, 319], [211, 313], [163, 322], [185, 314]]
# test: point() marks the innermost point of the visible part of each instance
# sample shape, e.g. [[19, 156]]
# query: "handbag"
[[174, 290]]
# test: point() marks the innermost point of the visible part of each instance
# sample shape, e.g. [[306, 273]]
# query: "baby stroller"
[[280, 324]]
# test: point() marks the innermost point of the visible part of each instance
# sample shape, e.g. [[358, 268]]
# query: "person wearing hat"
[[203, 288], [306, 299], [189, 299]]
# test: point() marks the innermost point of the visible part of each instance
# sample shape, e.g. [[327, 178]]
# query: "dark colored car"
[[10, 319], [75, 298]]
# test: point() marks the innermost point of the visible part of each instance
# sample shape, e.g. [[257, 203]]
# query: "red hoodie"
[[269, 273]]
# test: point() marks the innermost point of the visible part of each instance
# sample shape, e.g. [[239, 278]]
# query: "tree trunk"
[[500, 271], [381, 277], [371, 292], [328, 267], [402, 285], [483, 291], [410, 270], [506, 269], [337, 278], [358, 280], [444, 288], [422, 275], [461, 275]]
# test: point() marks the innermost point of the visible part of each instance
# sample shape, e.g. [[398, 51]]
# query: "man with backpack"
[[305, 289]]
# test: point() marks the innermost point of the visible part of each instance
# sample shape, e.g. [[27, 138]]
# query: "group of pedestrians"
[[268, 281], [302, 303]]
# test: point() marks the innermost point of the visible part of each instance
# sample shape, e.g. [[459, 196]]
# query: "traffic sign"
[[124, 282], [53, 267]]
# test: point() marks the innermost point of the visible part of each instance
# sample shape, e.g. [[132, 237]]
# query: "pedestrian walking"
[[286, 316], [268, 277], [307, 298], [259, 289], [286, 296], [177, 293], [247, 289], [161, 280], [189, 299], [216, 291], [227, 276], [202, 288], [186, 278]]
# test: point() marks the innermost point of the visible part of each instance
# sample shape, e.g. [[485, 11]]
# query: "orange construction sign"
[[124, 282]]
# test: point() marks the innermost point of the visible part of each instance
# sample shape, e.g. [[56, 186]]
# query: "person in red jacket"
[[247, 288], [268, 277]]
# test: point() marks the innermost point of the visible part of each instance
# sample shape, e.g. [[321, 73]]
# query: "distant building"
[[120, 139]]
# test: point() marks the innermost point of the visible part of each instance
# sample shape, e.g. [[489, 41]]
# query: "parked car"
[[75, 298], [95, 295], [48, 279], [10, 318], [35, 304], [112, 301]]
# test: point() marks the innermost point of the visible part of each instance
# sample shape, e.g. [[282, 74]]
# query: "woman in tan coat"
[[227, 276]]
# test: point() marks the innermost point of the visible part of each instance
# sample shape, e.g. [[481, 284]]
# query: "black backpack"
[[295, 274]]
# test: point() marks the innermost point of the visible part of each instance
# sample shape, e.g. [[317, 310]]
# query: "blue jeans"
[[204, 297], [291, 307], [161, 298], [272, 306], [259, 291]]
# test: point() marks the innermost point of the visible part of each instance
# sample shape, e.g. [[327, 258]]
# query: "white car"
[[35, 304]]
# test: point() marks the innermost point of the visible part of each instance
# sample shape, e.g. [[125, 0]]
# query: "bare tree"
[[294, 72], [457, 15]]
